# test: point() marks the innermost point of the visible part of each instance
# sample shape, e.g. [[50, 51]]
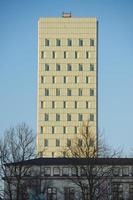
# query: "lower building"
[[70, 179]]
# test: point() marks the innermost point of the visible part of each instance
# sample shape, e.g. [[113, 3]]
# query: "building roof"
[[75, 161]]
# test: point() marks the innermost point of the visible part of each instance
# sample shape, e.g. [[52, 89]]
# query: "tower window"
[[46, 42], [53, 54], [80, 92], [69, 92], [64, 104], [69, 67], [75, 104], [57, 67], [69, 42], [64, 79], [80, 142], [57, 142], [75, 79], [80, 67], [87, 79], [91, 92], [53, 79], [91, 142], [41, 104], [68, 142], [57, 92], [53, 104], [91, 67], [91, 117], [58, 42], [87, 54], [65, 54], [46, 92], [57, 117], [46, 67], [42, 54], [53, 130], [87, 104], [80, 117], [76, 54], [46, 142], [92, 42], [68, 117], [42, 79], [64, 129], [46, 117], [75, 129], [41, 129], [80, 42]]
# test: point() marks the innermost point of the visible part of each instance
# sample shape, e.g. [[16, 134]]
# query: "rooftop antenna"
[[66, 15]]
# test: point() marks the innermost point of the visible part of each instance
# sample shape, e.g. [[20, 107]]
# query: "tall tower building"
[[67, 81]]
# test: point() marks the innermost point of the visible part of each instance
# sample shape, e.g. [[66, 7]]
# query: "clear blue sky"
[[18, 61]]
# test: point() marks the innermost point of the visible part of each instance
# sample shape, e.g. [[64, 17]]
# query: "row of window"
[[69, 193], [118, 192], [57, 143], [121, 172], [64, 130], [69, 42], [88, 79], [69, 143], [72, 171], [68, 67], [64, 104], [68, 117], [122, 191], [65, 54], [68, 92], [55, 171]]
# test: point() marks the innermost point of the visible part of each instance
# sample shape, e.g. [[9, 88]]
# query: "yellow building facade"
[[67, 81]]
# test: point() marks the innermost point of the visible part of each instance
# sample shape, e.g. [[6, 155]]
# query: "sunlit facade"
[[67, 81]]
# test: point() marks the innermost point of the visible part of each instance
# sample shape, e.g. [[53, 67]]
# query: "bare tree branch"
[[17, 145], [94, 180]]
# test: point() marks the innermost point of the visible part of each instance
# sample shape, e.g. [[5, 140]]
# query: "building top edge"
[[89, 19]]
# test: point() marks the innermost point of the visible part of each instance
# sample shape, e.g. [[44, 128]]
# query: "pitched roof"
[[75, 161]]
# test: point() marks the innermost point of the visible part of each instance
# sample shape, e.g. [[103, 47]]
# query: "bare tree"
[[94, 179], [16, 146]]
